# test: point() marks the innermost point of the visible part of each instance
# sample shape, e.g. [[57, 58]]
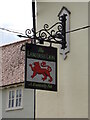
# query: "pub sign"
[[40, 67]]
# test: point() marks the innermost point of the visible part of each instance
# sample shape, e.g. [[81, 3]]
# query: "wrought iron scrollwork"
[[57, 33], [28, 33], [54, 34]]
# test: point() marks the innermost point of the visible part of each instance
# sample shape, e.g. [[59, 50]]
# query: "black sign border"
[[31, 85]]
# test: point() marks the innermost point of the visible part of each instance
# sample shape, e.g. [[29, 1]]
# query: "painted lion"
[[41, 69]]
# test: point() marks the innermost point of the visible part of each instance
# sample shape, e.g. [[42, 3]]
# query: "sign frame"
[[43, 55]]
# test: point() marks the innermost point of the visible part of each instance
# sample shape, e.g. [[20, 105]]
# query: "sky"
[[15, 15]]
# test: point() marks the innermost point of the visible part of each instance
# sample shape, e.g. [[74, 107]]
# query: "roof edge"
[[11, 85], [16, 42]]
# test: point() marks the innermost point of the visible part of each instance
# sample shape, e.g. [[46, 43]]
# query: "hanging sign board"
[[40, 67]]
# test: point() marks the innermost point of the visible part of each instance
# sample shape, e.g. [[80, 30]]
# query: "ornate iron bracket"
[[54, 34]]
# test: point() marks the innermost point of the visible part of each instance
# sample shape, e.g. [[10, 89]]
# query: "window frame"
[[11, 98], [14, 107]]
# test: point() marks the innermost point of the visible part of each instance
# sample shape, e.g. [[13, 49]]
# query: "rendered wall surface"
[[71, 99], [0, 104]]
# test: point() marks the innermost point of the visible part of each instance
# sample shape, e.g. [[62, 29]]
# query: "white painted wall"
[[28, 105], [71, 99], [0, 104]]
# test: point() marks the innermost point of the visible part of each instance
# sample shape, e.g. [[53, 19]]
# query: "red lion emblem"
[[37, 69]]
